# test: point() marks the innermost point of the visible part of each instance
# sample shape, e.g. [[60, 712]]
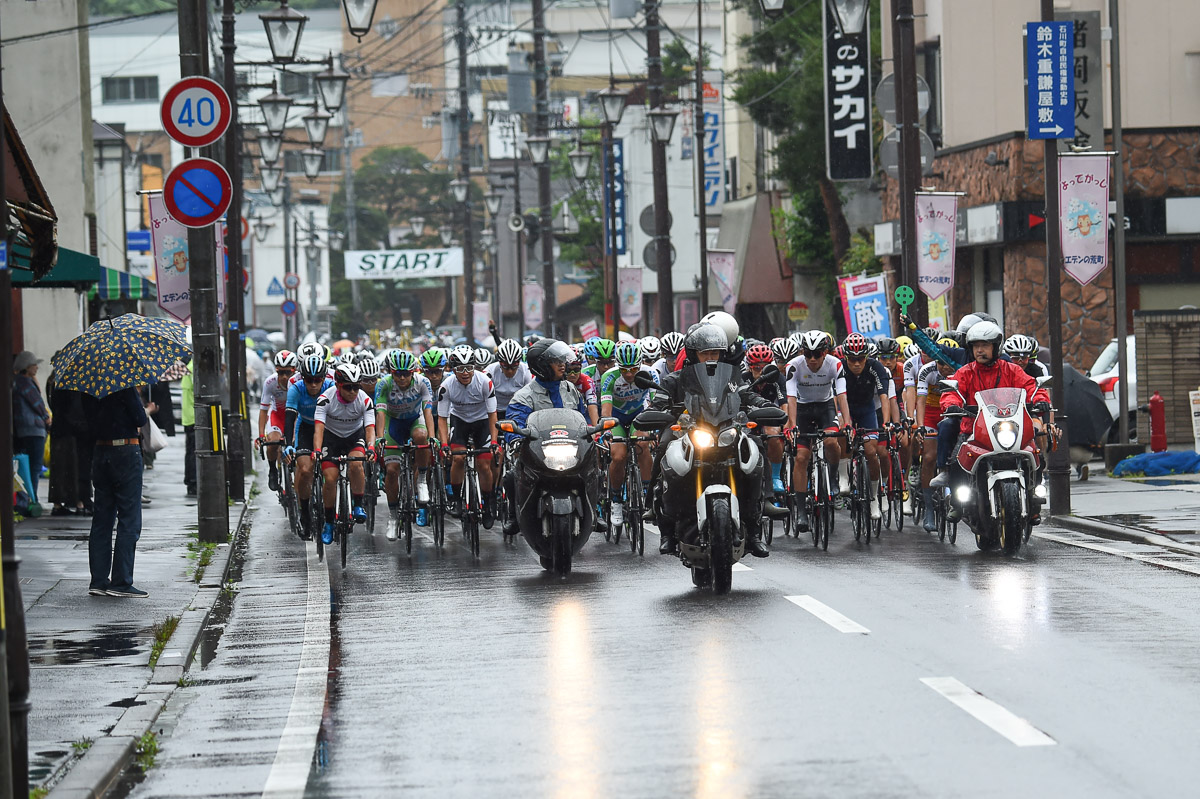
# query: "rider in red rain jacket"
[[986, 372]]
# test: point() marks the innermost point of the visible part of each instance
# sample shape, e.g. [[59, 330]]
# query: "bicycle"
[[818, 496], [286, 494], [604, 511], [343, 518], [436, 476], [635, 498], [407, 512], [470, 498], [860, 494], [788, 497], [894, 489]]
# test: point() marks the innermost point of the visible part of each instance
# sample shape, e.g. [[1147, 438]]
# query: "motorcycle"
[[713, 444], [557, 480], [1004, 494]]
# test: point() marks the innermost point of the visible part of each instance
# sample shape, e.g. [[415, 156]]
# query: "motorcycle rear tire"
[[720, 549], [559, 528], [1011, 523]]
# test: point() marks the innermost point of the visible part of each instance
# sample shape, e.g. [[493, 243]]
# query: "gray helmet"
[[545, 352], [989, 332], [702, 338]]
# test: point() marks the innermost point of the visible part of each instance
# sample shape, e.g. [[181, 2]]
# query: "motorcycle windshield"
[[556, 423], [718, 399], [1001, 403]]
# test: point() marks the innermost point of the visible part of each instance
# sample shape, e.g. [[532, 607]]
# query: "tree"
[[584, 250], [679, 67]]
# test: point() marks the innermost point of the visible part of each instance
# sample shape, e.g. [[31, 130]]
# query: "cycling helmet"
[[1020, 346], [888, 348], [902, 343], [312, 366], [346, 373], [403, 361], [839, 353], [672, 343], [932, 333], [872, 349], [461, 355], [589, 347], [579, 352], [286, 359], [949, 343], [545, 352], [509, 352], [814, 341], [989, 332], [531, 339], [651, 349], [956, 336], [433, 358], [605, 349], [629, 354], [797, 336], [702, 338], [855, 345], [785, 349], [362, 357], [759, 355], [911, 351], [310, 348], [724, 321], [482, 358], [327, 352], [369, 370]]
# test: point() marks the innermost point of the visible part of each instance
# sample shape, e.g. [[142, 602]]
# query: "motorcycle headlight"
[[701, 439], [963, 494], [727, 438], [1006, 434], [1040, 491], [561, 456]]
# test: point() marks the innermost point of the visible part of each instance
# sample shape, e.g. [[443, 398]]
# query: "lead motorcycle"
[[557, 482], [1004, 494], [714, 450]]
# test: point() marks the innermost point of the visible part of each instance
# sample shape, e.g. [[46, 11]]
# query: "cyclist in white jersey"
[[467, 410], [272, 406], [343, 424], [509, 375]]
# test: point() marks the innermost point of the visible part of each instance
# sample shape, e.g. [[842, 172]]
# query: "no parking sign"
[[197, 192]]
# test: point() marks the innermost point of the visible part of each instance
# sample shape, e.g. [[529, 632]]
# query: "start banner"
[[404, 264]]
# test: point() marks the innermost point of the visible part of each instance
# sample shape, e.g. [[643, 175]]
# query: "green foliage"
[[163, 631], [82, 745], [146, 750], [38, 793], [861, 258], [679, 66], [586, 250]]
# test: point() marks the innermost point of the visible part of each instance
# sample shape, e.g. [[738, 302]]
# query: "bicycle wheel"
[[634, 502], [316, 507], [344, 519], [896, 498], [606, 500], [408, 510], [470, 513], [437, 492], [827, 524], [855, 500], [939, 514]]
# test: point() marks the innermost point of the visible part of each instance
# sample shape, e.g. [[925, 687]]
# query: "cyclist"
[[433, 367], [601, 357], [586, 387], [404, 412], [622, 399], [369, 373], [651, 351], [509, 374], [483, 359], [867, 399], [273, 409], [299, 420], [672, 345], [343, 424], [1023, 351], [930, 415], [816, 390], [785, 351], [890, 358], [758, 358], [467, 408]]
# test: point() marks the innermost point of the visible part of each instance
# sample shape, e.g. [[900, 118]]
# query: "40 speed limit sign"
[[196, 112]]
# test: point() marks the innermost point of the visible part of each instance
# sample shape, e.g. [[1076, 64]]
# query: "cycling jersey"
[[274, 394], [587, 387], [864, 388], [660, 366], [344, 419], [911, 367], [927, 386], [471, 402], [590, 371], [303, 403], [822, 385], [1036, 369], [507, 386], [400, 403], [627, 398]]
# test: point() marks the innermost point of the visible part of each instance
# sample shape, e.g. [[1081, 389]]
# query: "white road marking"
[[741, 567], [293, 758], [1001, 720], [1143, 553], [828, 615]]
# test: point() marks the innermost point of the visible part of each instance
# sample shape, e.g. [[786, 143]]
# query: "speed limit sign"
[[196, 112]]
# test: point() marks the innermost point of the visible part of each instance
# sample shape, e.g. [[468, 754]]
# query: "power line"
[[32, 37]]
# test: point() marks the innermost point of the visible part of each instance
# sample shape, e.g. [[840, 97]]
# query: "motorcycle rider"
[[706, 343]]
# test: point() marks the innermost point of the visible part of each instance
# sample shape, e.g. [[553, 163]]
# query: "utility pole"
[[314, 269], [212, 507], [519, 235], [288, 263], [464, 173], [612, 285], [542, 128], [905, 66], [698, 155], [351, 208], [1122, 329], [658, 166], [235, 348]]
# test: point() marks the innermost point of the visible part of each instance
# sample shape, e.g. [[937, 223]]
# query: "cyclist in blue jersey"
[[404, 411], [622, 399], [299, 423]]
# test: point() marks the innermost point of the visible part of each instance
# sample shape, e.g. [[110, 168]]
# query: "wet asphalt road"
[[821, 674]]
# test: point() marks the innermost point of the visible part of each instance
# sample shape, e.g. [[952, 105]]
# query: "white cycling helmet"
[[1020, 345], [509, 352], [346, 373], [651, 349], [462, 355], [286, 359], [814, 341], [911, 351]]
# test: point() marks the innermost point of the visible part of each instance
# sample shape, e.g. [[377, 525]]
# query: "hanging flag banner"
[[589, 329], [170, 245], [403, 264], [481, 311], [937, 215], [223, 262], [532, 298], [629, 288], [865, 305], [723, 268], [712, 145], [937, 313], [1083, 200]]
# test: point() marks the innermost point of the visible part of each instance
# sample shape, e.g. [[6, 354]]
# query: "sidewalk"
[[1159, 510], [89, 656]]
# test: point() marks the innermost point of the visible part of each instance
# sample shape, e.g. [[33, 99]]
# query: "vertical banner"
[[937, 314], [848, 142], [169, 241], [480, 311], [532, 297], [865, 305], [689, 312], [937, 215], [589, 330], [1083, 200], [1050, 80], [617, 220], [713, 146], [223, 265], [723, 268], [629, 288], [1089, 78]]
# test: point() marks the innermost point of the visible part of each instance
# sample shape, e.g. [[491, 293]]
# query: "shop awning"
[[31, 216], [117, 285], [763, 274], [72, 270]]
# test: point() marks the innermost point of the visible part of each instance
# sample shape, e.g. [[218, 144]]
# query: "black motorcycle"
[[557, 480]]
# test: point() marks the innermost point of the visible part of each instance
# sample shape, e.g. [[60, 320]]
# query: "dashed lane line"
[[828, 615], [1000, 719]]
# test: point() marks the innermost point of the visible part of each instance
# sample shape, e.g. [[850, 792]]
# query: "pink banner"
[[629, 287], [1083, 215], [170, 243], [532, 297], [936, 218], [223, 260], [722, 266], [480, 313], [589, 329]]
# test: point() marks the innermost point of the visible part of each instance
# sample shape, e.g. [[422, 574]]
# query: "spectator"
[[31, 418], [148, 454], [188, 415], [70, 453], [113, 423], [164, 417]]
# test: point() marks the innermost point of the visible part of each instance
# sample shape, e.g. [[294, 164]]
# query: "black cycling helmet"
[[888, 347], [545, 352]]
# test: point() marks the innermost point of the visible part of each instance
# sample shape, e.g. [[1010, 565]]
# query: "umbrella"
[[342, 344], [113, 354], [1088, 419], [258, 334], [175, 372]]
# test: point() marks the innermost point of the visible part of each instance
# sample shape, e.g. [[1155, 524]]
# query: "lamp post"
[[270, 146], [331, 84], [612, 105], [316, 125], [541, 128], [275, 110], [313, 159], [359, 14], [284, 26]]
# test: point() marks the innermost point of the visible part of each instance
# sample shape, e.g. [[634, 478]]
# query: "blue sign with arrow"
[[275, 289], [1050, 80]]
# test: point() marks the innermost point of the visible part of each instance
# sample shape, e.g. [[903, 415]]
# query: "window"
[[299, 84], [129, 90], [293, 162], [929, 66], [152, 159]]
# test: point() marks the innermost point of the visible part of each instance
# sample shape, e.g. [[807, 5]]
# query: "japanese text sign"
[[171, 260], [865, 305], [1050, 80], [847, 102], [617, 220], [937, 215], [1083, 200], [1089, 79], [713, 144]]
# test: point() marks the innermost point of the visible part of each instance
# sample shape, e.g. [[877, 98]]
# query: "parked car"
[[1104, 373]]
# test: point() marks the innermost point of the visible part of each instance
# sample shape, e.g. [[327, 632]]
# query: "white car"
[[1104, 374]]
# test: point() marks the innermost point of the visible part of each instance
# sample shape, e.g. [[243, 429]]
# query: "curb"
[[93, 774], [1083, 524]]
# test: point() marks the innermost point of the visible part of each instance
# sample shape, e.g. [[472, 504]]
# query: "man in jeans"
[[186, 386], [114, 422]]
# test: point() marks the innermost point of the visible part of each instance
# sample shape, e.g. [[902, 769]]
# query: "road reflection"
[[1019, 600], [573, 704], [716, 741]]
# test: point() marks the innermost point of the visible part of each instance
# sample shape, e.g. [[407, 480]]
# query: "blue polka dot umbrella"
[[113, 354]]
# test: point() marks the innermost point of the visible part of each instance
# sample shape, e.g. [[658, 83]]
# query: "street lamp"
[[487, 238], [581, 161], [269, 175], [277, 197], [284, 27], [261, 229], [612, 104], [275, 110], [336, 239], [359, 14], [417, 223], [539, 149], [662, 123], [313, 252], [492, 200], [459, 186], [851, 15], [269, 147], [316, 124], [773, 8], [447, 236], [313, 158], [331, 83]]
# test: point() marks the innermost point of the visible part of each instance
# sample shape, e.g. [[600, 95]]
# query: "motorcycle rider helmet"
[[482, 358], [461, 355], [759, 355], [1020, 346], [855, 345], [989, 332], [911, 351], [724, 321], [543, 354], [286, 359], [433, 358], [965, 323], [369, 370], [346, 373], [815, 341], [672, 343], [888, 347], [785, 349], [402, 361], [509, 352], [629, 354], [703, 338], [605, 349], [651, 349], [313, 367]]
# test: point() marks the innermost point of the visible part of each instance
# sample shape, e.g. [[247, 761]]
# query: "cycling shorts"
[[399, 431], [866, 419], [933, 415], [337, 446], [470, 435], [813, 417], [625, 428], [275, 421], [304, 435]]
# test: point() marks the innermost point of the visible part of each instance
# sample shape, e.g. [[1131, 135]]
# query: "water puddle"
[[107, 642], [44, 763]]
